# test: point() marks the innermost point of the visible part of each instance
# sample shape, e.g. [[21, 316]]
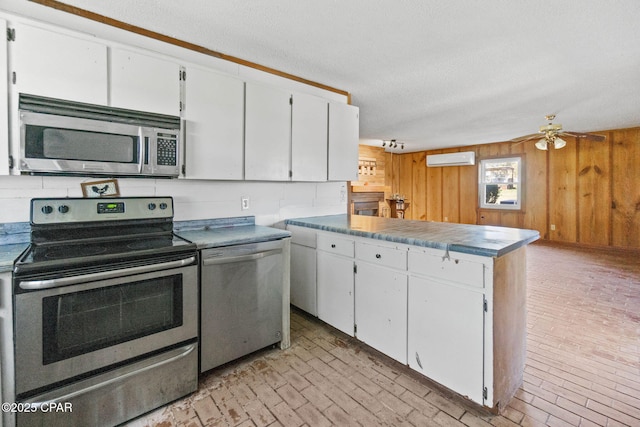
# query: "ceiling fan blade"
[[528, 137], [589, 136]]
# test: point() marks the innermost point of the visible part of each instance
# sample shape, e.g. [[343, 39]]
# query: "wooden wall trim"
[[181, 43]]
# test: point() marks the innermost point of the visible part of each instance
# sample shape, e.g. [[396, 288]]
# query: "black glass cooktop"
[[76, 254]]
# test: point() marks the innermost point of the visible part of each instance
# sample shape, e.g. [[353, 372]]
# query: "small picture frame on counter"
[[104, 188]]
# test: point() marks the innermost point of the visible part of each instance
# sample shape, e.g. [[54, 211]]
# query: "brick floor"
[[582, 369]]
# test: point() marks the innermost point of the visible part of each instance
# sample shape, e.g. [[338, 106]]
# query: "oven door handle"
[[73, 280], [239, 258]]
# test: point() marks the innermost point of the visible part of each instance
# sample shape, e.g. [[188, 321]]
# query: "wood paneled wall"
[[381, 158], [586, 193]]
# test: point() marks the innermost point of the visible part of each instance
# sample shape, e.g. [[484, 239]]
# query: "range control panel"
[[68, 210]]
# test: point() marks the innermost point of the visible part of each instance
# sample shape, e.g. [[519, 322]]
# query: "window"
[[501, 183]]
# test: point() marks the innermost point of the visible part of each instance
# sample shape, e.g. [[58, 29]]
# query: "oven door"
[[64, 333]]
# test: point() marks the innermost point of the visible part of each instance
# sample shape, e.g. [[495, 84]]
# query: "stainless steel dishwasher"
[[240, 301]]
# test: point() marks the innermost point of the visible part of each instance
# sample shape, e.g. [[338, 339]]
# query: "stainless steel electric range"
[[105, 304]]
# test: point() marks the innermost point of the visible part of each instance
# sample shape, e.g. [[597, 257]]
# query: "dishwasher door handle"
[[221, 259]]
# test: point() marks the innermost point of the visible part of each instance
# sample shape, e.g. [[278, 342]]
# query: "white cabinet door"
[[57, 65], [344, 133], [335, 291], [309, 129], [381, 309], [267, 133], [303, 278], [445, 335], [144, 83], [214, 125], [4, 96]]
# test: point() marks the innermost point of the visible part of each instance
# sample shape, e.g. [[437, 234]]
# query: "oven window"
[[82, 322], [68, 144]]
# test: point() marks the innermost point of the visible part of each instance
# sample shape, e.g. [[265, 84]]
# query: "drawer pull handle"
[[333, 245], [378, 256]]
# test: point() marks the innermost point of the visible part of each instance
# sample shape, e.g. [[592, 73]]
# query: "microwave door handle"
[[142, 149]]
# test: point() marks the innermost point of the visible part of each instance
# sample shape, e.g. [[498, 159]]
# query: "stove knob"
[[151, 206], [46, 209], [163, 206], [63, 209]]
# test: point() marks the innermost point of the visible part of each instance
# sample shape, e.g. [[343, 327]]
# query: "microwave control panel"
[[167, 149]]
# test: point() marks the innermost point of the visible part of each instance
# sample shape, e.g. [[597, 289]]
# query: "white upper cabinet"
[[4, 116], [344, 134], [309, 138], [57, 65], [214, 125], [144, 83], [267, 133]]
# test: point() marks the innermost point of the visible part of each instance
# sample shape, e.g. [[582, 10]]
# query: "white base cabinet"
[[303, 269], [381, 309], [335, 281], [335, 291], [446, 335], [456, 318]]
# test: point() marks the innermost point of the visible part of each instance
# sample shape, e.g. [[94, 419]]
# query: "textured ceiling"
[[430, 73]]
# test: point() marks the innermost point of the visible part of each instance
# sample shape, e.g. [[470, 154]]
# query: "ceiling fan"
[[550, 135]]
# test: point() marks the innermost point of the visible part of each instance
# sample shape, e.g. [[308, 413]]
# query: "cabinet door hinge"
[[355, 328], [184, 169], [182, 75], [11, 34], [485, 393], [13, 77], [355, 268], [485, 306], [291, 100], [10, 162]]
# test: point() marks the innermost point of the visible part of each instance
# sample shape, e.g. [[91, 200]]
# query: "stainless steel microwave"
[[63, 137]]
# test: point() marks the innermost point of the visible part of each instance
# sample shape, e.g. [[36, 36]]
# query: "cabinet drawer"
[[335, 245], [451, 269], [302, 236], [388, 257]]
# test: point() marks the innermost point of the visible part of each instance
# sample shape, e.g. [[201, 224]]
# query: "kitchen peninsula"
[[448, 300]]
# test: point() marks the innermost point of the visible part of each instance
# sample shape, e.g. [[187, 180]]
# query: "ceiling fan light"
[[542, 144], [559, 143]]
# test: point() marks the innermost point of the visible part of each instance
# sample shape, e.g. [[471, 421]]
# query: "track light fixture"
[[393, 144]]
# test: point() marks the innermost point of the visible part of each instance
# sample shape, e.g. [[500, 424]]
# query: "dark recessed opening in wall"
[[366, 203]]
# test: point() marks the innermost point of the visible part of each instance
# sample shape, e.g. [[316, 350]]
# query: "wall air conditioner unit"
[[464, 158]]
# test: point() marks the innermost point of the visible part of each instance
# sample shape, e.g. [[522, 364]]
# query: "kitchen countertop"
[[213, 233], [483, 240], [209, 233]]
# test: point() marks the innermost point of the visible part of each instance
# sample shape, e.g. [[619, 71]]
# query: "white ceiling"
[[430, 73]]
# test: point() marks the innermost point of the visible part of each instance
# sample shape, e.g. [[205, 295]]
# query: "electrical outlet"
[[245, 203], [553, 227]]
